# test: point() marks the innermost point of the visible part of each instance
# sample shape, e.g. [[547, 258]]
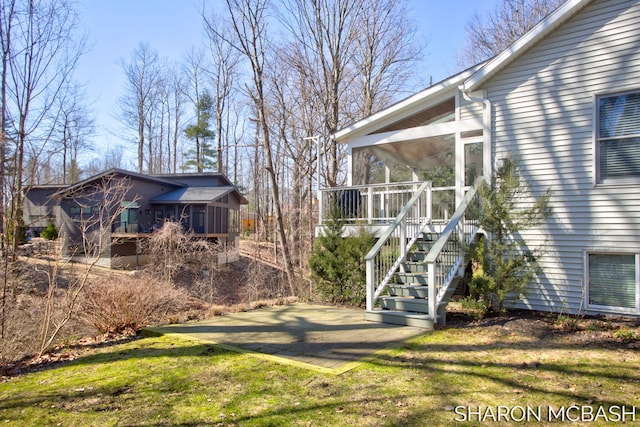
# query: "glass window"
[[612, 280], [198, 213], [618, 137], [433, 159], [472, 162]]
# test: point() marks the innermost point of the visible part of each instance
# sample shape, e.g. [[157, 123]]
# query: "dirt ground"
[[607, 331]]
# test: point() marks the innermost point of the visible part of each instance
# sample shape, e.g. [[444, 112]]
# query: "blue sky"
[[116, 27]]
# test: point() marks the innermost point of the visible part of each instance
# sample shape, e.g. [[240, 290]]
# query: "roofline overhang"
[[524, 43], [115, 171], [232, 189], [399, 109], [177, 176]]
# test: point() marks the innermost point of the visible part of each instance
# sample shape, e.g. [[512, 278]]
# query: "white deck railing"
[[443, 260], [447, 254], [392, 247], [379, 204]]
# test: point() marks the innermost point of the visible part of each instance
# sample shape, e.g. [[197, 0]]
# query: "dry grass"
[[115, 301]]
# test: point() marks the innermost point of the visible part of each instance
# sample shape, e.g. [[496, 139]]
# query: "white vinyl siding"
[[543, 112], [470, 109]]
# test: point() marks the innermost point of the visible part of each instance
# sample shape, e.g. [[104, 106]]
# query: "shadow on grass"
[[523, 377], [437, 362]]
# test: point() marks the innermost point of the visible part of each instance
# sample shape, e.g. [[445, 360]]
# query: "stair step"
[[400, 290], [425, 246], [417, 256], [429, 236], [414, 267], [400, 318], [416, 305], [411, 278]]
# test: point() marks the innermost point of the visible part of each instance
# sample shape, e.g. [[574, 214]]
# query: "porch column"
[[459, 168], [349, 166]]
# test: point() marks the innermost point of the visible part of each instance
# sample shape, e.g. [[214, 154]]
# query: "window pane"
[[619, 115], [433, 159], [472, 162], [612, 280], [620, 158]]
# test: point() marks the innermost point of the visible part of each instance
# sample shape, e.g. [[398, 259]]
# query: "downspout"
[[487, 163]]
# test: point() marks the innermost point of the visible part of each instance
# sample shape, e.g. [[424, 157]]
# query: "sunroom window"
[[613, 281], [618, 137]]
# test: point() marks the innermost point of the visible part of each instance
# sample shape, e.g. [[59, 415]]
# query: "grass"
[[182, 382]]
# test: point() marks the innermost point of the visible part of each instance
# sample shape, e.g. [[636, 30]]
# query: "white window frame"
[[607, 308], [598, 180]]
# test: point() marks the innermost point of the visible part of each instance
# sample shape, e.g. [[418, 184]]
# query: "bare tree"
[[42, 50], [104, 199], [491, 33], [249, 23], [142, 73], [110, 159], [7, 20], [75, 128], [385, 54], [324, 34], [176, 100], [293, 118], [384, 60], [223, 73], [197, 92]]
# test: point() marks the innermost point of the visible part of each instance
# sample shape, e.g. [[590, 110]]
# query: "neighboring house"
[[565, 100], [206, 204]]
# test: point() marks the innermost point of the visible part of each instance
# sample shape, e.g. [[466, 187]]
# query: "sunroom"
[[437, 136]]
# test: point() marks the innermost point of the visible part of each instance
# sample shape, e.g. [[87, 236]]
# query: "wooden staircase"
[[406, 297], [416, 264]]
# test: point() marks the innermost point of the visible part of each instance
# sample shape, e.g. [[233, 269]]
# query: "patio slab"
[[325, 338]]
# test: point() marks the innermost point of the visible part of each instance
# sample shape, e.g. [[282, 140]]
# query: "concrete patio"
[[324, 338]]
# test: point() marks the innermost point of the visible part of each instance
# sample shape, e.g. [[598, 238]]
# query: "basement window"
[[613, 282]]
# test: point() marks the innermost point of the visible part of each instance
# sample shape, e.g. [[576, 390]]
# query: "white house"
[[564, 99]]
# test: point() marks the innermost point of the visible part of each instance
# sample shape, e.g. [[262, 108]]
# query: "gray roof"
[[196, 195]]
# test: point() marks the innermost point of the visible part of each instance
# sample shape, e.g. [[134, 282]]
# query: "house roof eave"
[[401, 108], [185, 197], [113, 171]]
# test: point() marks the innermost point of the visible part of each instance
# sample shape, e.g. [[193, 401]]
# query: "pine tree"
[[504, 263], [202, 156], [337, 263]]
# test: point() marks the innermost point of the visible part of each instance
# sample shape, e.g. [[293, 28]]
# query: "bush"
[[50, 232], [120, 303], [337, 263], [22, 230]]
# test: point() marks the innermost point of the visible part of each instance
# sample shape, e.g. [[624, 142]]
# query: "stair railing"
[[392, 247], [447, 254]]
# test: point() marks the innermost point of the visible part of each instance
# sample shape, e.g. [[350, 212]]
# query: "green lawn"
[[443, 378]]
